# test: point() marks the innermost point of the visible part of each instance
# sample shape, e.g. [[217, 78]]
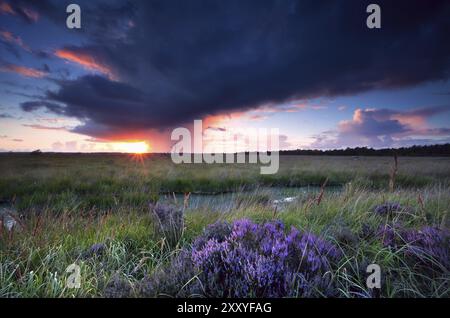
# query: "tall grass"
[[33, 260], [66, 204]]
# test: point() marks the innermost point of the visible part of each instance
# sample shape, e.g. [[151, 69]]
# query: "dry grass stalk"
[[393, 174], [275, 212], [309, 202], [420, 200], [421, 206], [186, 200], [322, 190], [37, 225]]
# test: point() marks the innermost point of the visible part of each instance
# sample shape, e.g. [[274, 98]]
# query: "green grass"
[[70, 202]]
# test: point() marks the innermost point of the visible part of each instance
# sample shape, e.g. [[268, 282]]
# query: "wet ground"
[[275, 196], [7, 214]]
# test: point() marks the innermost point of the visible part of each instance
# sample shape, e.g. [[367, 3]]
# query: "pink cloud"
[[24, 11], [382, 127], [31, 14], [22, 70], [11, 38], [5, 8], [42, 127], [85, 60]]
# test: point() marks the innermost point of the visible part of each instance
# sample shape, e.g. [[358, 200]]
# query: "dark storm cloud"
[[35, 105], [167, 62], [102, 19]]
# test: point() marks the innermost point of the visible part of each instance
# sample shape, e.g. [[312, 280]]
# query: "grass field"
[[93, 210]]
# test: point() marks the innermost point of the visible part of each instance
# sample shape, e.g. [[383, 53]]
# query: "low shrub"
[[427, 248], [177, 279], [118, 287], [246, 259], [169, 222], [388, 208]]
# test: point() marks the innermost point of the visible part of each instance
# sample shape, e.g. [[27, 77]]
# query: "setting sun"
[[134, 147]]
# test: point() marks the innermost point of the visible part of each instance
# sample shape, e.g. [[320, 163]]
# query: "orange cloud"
[[11, 38], [6, 8], [358, 115], [85, 60], [22, 70], [258, 117], [260, 113], [221, 119], [29, 14], [413, 120]]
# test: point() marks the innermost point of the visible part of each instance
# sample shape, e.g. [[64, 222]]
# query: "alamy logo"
[[74, 279], [374, 19], [228, 146], [374, 279], [73, 20]]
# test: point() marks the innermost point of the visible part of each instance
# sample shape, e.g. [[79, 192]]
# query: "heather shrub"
[[388, 208], [118, 287], [169, 222], [427, 248], [177, 279], [263, 261], [245, 259], [218, 231], [96, 250], [345, 237], [367, 231]]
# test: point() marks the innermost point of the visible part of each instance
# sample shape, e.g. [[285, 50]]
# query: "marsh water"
[[274, 196]]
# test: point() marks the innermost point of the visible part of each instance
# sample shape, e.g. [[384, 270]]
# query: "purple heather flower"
[[169, 221], [424, 247], [262, 261], [388, 208]]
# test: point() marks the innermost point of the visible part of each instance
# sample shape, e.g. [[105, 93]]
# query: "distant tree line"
[[439, 150], [432, 150]]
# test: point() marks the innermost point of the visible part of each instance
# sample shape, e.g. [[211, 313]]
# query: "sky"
[[136, 70]]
